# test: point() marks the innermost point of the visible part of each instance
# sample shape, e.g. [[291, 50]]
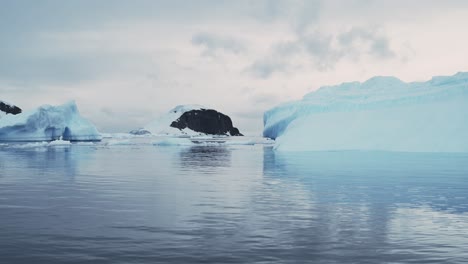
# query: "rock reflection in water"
[[205, 157]]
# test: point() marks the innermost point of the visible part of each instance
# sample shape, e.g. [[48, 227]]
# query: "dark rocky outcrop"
[[9, 109], [206, 121], [139, 132]]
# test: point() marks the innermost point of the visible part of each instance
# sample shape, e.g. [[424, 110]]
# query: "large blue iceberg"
[[48, 123], [382, 113]]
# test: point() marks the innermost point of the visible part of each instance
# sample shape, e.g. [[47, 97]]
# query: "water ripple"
[[230, 204]]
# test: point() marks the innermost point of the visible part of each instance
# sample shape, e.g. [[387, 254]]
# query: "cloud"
[[28, 56], [63, 68], [322, 51], [300, 14], [381, 47], [319, 47], [264, 68], [378, 45], [263, 99], [212, 44]]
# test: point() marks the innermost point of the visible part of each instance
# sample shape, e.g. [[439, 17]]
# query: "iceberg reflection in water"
[[379, 206], [142, 203]]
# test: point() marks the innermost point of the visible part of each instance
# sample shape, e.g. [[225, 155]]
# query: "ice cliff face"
[[48, 123], [382, 113]]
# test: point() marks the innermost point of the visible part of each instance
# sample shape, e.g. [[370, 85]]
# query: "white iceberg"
[[59, 142], [382, 113], [48, 123]]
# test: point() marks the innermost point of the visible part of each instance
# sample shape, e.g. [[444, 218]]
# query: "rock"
[[139, 132], [9, 109], [206, 121]]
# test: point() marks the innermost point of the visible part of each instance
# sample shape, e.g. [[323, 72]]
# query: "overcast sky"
[[126, 62]]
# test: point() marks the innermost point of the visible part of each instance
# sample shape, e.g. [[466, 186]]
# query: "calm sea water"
[[230, 204]]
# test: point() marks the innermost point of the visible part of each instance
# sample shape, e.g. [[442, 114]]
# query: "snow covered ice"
[[48, 123], [382, 113]]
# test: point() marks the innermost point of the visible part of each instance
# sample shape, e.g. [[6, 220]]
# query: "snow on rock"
[[162, 125], [382, 113], [48, 123]]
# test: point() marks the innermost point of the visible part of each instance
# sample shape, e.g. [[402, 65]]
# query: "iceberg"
[[383, 113], [48, 123]]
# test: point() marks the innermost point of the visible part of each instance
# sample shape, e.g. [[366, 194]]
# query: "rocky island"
[[206, 121], [9, 108], [190, 120]]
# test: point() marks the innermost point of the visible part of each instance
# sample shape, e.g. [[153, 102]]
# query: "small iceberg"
[[59, 142]]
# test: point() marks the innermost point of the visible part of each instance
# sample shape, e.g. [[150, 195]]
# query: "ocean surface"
[[130, 202]]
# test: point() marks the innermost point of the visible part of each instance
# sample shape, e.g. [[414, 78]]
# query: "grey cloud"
[[111, 119], [213, 43], [23, 16], [265, 99], [64, 68], [378, 45], [299, 13], [267, 10], [32, 15], [277, 60], [320, 50], [266, 67], [250, 114], [56, 69], [381, 47], [350, 36], [259, 103], [25, 57], [323, 51], [307, 14]]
